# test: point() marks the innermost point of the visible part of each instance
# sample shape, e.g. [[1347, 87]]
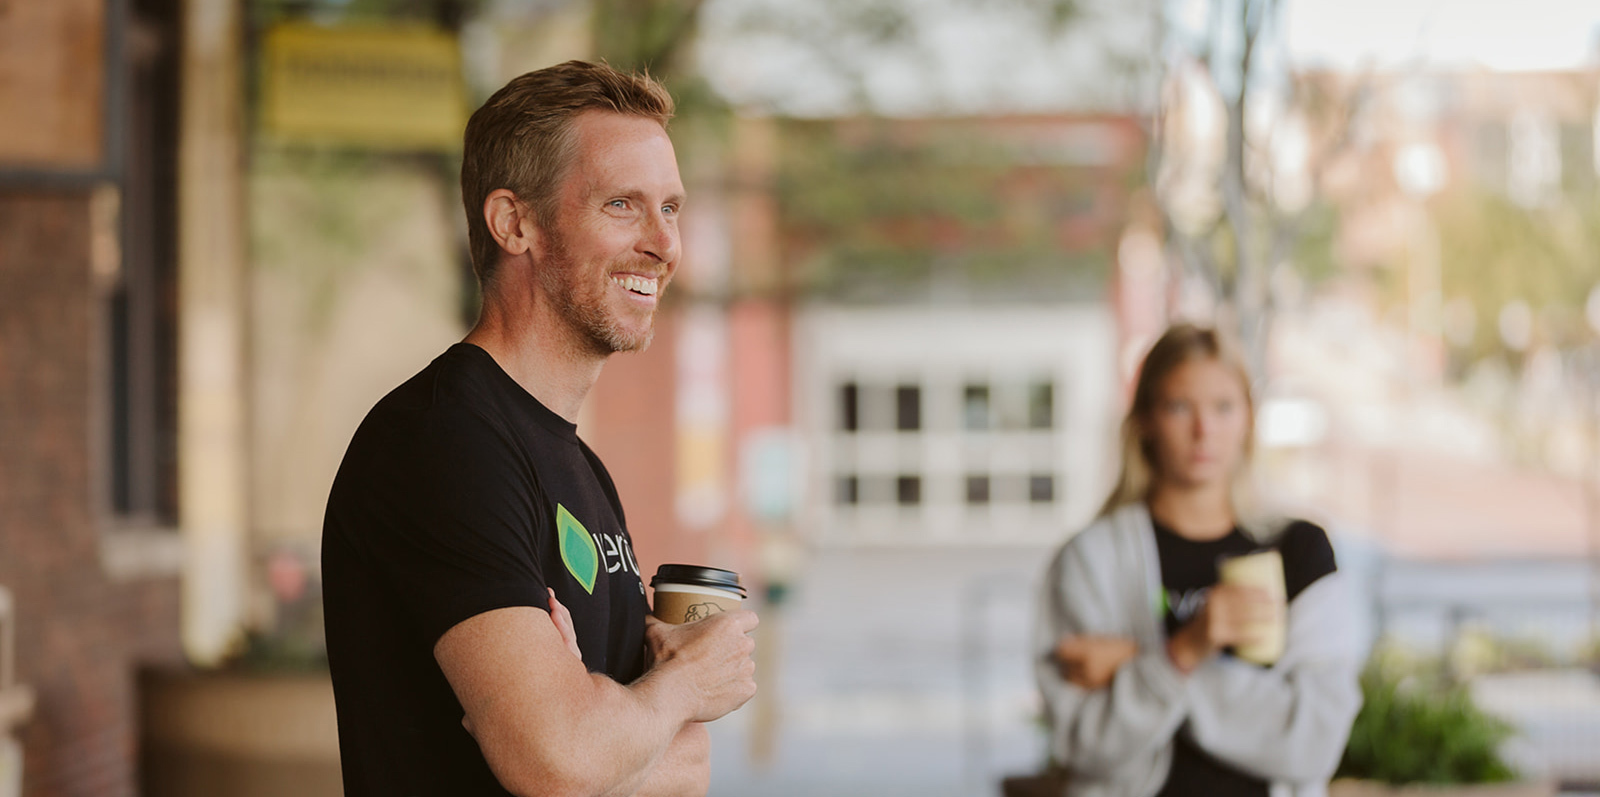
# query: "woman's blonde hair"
[[1181, 343]]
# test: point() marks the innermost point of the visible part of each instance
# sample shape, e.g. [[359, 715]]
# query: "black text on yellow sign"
[[382, 88]]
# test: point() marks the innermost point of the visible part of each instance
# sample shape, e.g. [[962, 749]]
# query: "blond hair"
[[521, 140], [1180, 344]]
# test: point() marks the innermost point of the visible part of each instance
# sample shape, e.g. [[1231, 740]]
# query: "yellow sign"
[[389, 88]]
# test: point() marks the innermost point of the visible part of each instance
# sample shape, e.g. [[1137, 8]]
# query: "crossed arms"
[[550, 728]]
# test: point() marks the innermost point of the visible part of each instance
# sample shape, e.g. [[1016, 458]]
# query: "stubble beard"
[[598, 332]]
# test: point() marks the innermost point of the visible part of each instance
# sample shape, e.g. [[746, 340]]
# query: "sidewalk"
[[902, 673]]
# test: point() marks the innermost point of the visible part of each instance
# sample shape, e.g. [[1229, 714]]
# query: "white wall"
[[941, 351]]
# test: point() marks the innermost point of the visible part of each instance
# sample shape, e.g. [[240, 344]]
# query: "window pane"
[[908, 490], [908, 408], [847, 490], [978, 489], [1041, 488], [849, 404], [1041, 405], [975, 413]]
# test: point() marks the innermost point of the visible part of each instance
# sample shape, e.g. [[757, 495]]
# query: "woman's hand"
[[1090, 662], [1232, 615]]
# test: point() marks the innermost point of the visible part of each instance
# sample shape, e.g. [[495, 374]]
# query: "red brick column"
[[80, 635]]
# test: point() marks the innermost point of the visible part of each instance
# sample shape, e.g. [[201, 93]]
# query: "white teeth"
[[636, 284]]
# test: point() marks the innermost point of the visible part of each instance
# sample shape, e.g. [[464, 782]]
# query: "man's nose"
[[659, 238]]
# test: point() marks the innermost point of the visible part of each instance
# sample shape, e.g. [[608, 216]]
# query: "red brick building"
[[87, 501]]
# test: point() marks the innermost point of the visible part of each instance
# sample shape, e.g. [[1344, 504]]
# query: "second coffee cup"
[[1262, 570], [685, 593]]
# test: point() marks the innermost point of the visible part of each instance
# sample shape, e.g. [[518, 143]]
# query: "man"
[[487, 624]]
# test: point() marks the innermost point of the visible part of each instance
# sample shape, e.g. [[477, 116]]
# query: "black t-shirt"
[[459, 494], [1188, 572]]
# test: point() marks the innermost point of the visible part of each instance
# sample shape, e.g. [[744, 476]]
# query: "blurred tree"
[[447, 14], [1240, 149], [645, 34], [889, 215], [1500, 252], [891, 209], [842, 47], [849, 196]]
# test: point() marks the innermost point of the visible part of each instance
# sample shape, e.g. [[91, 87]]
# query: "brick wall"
[[634, 433], [80, 635]]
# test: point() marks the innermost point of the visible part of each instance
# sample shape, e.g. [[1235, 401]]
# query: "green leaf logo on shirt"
[[577, 549]]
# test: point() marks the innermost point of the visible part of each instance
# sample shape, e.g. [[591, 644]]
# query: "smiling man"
[[488, 631]]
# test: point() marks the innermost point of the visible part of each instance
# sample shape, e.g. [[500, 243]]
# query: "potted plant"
[[1415, 737], [263, 725]]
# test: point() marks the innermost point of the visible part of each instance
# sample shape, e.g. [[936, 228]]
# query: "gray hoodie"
[[1287, 724]]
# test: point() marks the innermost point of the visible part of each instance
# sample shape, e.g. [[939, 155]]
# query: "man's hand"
[[712, 659], [1090, 662], [1232, 615], [563, 620]]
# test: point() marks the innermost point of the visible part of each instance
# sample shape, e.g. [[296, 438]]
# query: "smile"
[[644, 286]]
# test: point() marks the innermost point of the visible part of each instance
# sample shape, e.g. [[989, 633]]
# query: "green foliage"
[[1411, 732], [848, 39], [644, 34], [1493, 251], [447, 14], [1313, 249], [896, 205], [279, 653]]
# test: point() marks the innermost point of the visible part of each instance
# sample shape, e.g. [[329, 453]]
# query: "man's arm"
[[685, 769], [548, 727]]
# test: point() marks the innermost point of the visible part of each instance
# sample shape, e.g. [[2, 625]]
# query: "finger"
[[1072, 660], [1266, 612], [1255, 595], [1069, 646], [563, 620], [742, 619], [557, 610], [1086, 680]]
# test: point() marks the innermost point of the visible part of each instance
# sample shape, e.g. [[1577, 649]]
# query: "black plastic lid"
[[698, 576]]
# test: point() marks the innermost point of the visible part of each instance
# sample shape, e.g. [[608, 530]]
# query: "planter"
[[240, 735], [1369, 788]]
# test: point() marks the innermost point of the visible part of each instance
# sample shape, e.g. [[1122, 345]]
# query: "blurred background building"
[[926, 247]]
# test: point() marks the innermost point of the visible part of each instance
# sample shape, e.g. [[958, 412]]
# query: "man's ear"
[[511, 222]]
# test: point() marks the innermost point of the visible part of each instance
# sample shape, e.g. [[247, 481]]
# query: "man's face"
[[613, 244]]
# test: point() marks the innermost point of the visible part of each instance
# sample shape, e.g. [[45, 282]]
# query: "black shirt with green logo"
[[1188, 572], [460, 494]]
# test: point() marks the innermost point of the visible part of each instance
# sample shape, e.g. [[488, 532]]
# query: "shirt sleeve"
[[1307, 556], [1288, 722], [446, 511], [1095, 733]]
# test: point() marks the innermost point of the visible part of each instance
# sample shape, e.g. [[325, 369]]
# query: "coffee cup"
[[686, 593], [1262, 570]]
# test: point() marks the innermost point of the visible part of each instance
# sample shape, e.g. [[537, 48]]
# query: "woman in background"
[[1141, 692]]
